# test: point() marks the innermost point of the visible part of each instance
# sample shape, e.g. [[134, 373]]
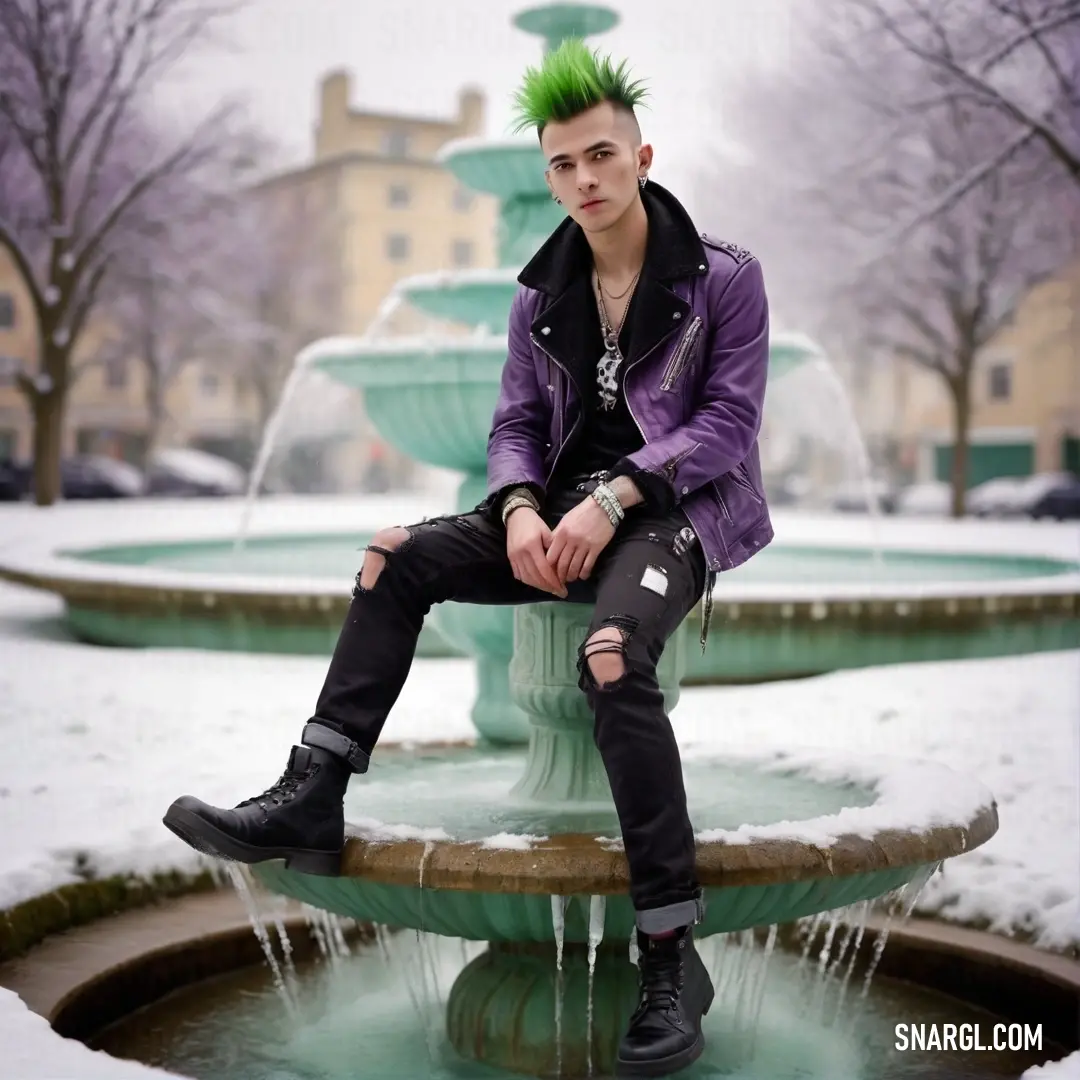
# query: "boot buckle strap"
[[323, 738]]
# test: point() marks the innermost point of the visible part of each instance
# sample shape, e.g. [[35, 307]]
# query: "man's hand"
[[578, 540], [527, 538]]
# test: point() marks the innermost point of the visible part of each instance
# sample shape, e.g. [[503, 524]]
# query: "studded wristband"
[[606, 499], [515, 502]]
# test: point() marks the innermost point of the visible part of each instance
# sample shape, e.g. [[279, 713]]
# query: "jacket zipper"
[[741, 481], [570, 380], [626, 375], [679, 357], [710, 578]]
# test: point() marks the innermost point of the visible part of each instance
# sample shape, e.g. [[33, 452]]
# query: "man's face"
[[594, 161]]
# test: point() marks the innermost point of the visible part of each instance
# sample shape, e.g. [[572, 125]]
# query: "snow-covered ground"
[[98, 741]]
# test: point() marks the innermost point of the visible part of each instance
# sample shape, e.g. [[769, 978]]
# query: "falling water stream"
[[300, 369], [238, 876]]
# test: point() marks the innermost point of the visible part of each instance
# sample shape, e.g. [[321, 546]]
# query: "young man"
[[622, 472]]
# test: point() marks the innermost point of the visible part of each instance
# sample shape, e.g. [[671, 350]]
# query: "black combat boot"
[[665, 1031], [300, 819]]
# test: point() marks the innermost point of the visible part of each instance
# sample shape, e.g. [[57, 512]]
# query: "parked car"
[[854, 497], [13, 481], [94, 477], [994, 498], [1061, 502], [184, 472], [931, 499], [1013, 496]]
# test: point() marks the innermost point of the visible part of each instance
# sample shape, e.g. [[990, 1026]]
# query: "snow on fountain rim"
[[66, 565], [476, 275], [911, 796], [40, 551], [347, 348], [468, 144]]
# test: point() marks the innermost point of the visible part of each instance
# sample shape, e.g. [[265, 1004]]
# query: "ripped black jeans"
[[645, 582]]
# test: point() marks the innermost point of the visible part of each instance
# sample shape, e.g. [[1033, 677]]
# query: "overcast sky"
[[412, 56]]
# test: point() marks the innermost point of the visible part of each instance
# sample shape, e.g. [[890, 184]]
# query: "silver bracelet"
[[607, 500], [516, 502]]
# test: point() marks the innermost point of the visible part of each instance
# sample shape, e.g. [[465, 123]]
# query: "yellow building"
[[1025, 405], [386, 209]]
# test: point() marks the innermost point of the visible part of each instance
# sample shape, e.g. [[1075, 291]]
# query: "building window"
[[397, 247], [7, 444], [1000, 381], [209, 384], [462, 198], [396, 143], [398, 195], [9, 367], [462, 253], [7, 311], [116, 373]]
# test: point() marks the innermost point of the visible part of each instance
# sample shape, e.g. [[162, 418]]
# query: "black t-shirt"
[[604, 435]]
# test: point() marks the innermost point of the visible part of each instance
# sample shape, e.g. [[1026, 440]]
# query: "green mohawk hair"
[[570, 80]]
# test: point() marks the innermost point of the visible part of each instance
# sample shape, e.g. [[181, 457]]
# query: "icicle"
[[597, 910], [913, 889], [240, 884], [763, 977], [558, 926], [747, 975], [879, 948], [826, 945], [425, 987], [286, 947], [313, 916], [810, 929], [338, 935], [382, 939], [864, 912]]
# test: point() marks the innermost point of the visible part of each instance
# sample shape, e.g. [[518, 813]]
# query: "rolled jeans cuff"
[[671, 917]]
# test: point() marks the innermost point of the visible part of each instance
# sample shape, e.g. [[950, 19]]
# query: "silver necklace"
[[608, 367]]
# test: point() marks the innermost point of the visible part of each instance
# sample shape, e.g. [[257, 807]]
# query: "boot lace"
[[281, 792], [661, 981]]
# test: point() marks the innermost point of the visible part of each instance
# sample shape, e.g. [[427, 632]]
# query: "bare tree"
[[1017, 59], [858, 136], [280, 281], [81, 162], [154, 313]]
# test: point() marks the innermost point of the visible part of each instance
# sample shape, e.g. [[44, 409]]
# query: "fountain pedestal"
[[563, 764], [511, 1008]]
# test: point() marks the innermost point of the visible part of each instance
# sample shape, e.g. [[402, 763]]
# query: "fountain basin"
[[795, 609], [430, 397], [222, 1017], [777, 840], [477, 297]]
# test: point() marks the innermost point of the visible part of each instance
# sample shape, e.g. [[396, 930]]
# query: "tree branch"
[[9, 241], [950, 196]]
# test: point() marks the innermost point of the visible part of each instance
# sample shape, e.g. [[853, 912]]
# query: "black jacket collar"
[[674, 248], [561, 270]]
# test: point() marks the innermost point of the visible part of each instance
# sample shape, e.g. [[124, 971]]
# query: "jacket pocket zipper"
[[677, 364], [741, 480], [723, 505]]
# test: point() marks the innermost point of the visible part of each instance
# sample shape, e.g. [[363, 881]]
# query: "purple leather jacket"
[[695, 383]]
